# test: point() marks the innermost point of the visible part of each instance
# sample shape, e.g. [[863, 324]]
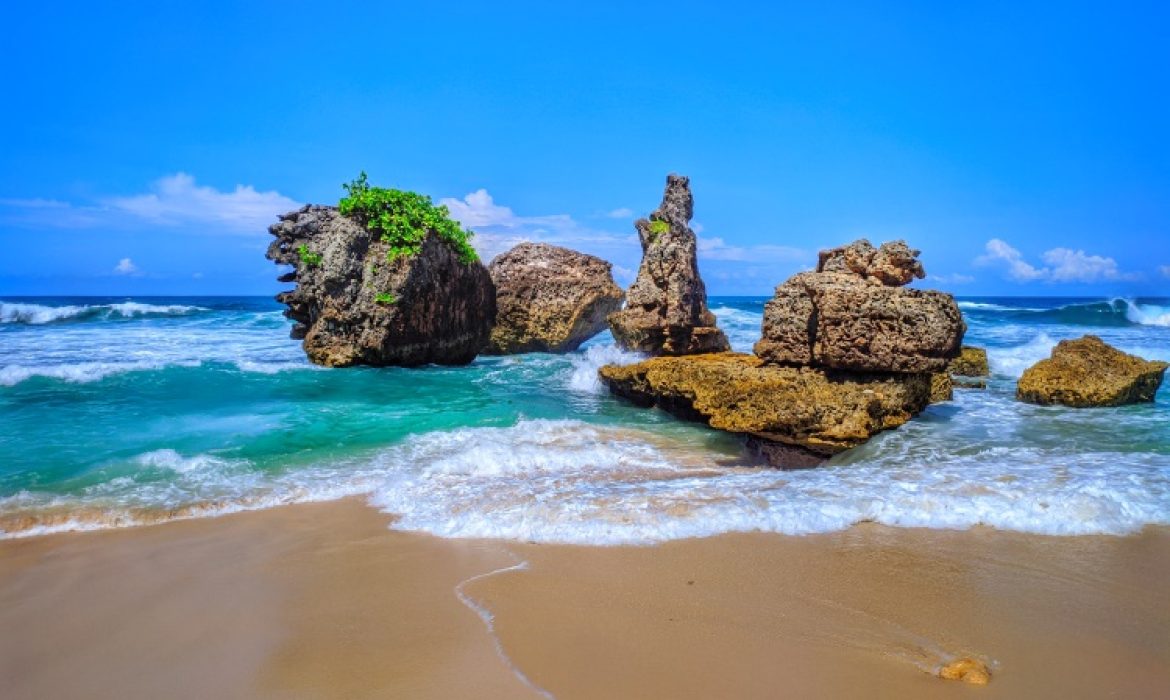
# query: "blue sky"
[[1023, 147]]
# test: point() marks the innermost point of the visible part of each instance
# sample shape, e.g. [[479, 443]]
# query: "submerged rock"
[[797, 416], [353, 306], [1088, 372], [851, 315], [666, 308], [550, 299]]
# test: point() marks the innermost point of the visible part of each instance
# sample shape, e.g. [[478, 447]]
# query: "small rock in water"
[[966, 669], [1089, 372]]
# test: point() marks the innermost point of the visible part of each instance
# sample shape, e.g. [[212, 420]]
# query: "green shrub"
[[657, 228], [404, 218], [385, 298], [308, 257]]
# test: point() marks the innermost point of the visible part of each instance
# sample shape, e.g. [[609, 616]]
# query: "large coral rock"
[[666, 308], [971, 362], [550, 299], [797, 416], [851, 315], [353, 306], [1088, 372]]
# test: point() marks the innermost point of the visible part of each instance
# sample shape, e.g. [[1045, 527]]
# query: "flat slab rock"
[[550, 299], [1089, 372], [796, 416]]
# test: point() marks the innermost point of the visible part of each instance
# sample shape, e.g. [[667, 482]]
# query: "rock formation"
[[549, 299], [354, 306], [846, 352], [852, 314], [666, 308], [799, 416], [965, 669], [1088, 372]]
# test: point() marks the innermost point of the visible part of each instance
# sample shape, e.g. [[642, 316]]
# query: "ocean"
[[118, 412]]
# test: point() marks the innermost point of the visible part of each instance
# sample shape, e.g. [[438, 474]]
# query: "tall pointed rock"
[[666, 308]]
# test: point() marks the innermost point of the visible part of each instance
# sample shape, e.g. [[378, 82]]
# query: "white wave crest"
[[1012, 362], [1147, 314], [37, 314]]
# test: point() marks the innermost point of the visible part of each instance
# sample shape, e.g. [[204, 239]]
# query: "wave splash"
[[39, 315], [1116, 312]]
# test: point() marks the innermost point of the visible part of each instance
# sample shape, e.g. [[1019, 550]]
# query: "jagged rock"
[[666, 308], [971, 362], [1088, 372], [354, 307], [894, 264], [549, 299], [851, 315], [799, 415]]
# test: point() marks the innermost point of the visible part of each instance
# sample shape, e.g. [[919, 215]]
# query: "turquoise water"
[[124, 411]]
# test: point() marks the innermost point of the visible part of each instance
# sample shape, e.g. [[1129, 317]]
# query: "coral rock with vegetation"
[[550, 299], [799, 416], [387, 278], [1088, 372], [853, 314], [666, 307]]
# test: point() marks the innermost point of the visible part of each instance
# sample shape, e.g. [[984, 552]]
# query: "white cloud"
[[999, 252], [174, 200], [1061, 265], [1165, 270], [715, 248], [621, 213], [497, 228], [126, 266], [954, 278]]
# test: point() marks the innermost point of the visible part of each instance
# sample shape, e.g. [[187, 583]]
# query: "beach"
[[324, 600]]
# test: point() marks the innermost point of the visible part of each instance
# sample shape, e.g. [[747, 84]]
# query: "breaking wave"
[[38, 315]]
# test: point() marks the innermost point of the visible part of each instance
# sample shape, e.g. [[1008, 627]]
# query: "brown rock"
[[942, 388], [813, 413], [355, 307], [1088, 372], [549, 299], [666, 307], [894, 264], [840, 320], [968, 670]]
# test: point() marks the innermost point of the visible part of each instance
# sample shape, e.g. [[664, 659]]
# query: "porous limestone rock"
[[851, 314], [353, 306], [666, 307], [971, 362], [796, 416], [549, 299], [1089, 372]]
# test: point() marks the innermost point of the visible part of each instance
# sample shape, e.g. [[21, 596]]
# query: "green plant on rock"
[[308, 257], [385, 298], [657, 228], [402, 219]]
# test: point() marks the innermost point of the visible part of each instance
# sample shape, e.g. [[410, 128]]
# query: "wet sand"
[[322, 600]]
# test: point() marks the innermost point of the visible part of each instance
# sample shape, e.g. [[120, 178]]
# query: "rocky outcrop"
[[942, 387], [666, 308], [796, 416], [967, 670], [852, 314], [354, 306], [549, 299], [1088, 372]]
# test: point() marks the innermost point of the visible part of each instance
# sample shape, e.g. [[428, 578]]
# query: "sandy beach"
[[323, 600]]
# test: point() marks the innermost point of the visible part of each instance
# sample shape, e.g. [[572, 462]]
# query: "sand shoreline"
[[323, 600]]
